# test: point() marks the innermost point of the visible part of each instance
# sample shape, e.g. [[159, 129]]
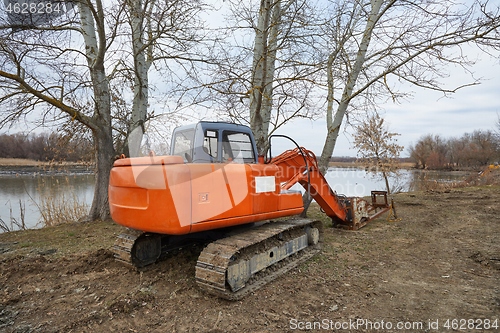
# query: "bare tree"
[[52, 69], [264, 71], [166, 34], [431, 151], [377, 147], [82, 67], [379, 44], [475, 149], [497, 136], [497, 133], [357, 53]]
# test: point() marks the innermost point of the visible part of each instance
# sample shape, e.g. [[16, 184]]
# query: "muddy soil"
[[435, 270]]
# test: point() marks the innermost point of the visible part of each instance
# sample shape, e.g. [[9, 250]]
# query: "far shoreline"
[[18, 166], [21, 164], [13, 162]]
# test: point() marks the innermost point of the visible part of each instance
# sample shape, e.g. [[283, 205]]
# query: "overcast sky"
[[428, 112], [471, 108]]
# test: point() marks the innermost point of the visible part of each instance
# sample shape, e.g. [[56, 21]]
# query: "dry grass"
[[15, 223], [20, 162], [67, 239], [359, 165], [11, 162], [487, 177], [62, 209]]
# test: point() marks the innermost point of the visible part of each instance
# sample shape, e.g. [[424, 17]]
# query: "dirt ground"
[[435, 270]]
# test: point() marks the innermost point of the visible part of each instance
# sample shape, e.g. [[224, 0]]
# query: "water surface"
[[22, 192]]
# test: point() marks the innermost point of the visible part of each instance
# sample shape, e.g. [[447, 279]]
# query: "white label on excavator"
[[265, 184]]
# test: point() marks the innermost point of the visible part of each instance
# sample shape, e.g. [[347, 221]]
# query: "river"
[[25, 193]]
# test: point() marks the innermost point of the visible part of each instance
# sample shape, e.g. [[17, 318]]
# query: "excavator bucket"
[[360, 211]]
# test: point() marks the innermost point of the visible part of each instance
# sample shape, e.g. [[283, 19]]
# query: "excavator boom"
[[300, 166]]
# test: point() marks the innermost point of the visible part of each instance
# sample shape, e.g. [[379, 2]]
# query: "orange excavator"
[[214, 187]]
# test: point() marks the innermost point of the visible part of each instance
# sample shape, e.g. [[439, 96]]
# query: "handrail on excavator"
[[284, 155]]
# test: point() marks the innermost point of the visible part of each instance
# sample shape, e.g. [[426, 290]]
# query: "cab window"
[[210, 142], [237, 147], [183, 143]]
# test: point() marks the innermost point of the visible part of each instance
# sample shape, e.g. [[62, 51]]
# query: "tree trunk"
[[264, 59], [334, 123], [100, 122], [103, 142], [334, 127], [104, 152], [386, 182], [141, 83]]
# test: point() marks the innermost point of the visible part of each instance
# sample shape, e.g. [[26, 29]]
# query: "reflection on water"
[[353, 182], [29, 190], [418, 180], [25, 193], [356, 182]]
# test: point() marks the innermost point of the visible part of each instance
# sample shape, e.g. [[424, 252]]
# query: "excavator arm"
[[300, 165]]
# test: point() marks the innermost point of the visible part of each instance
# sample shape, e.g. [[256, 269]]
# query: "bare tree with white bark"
[[378, 45], [77, 68], [58, 71], [264, 72], [166, 36]]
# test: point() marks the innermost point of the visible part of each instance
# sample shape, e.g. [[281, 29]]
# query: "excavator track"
[[139, 249], [136, 248], [234, 266]]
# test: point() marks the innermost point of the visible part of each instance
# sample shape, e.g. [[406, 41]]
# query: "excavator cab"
[[214, 142]]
